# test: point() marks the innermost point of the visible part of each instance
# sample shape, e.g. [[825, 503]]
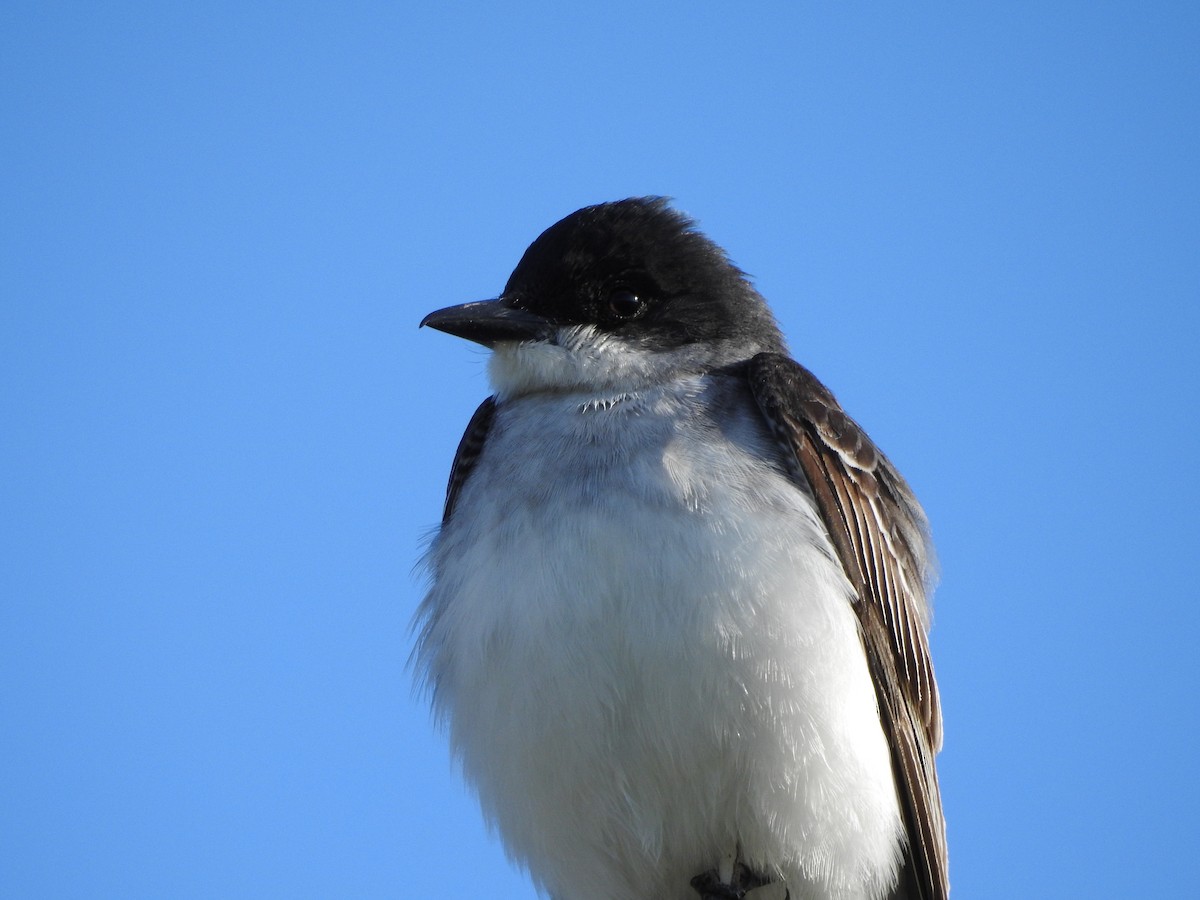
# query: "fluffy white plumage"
[[645, 669]]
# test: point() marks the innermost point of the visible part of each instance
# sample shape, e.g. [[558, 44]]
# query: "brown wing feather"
[[468, 451], [881, 537]]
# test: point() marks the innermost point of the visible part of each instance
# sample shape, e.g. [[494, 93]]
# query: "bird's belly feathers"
[[644, 667]]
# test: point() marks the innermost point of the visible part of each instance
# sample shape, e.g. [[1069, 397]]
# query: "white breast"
[[643, 665]]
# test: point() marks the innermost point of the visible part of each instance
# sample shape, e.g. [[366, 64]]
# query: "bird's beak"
[[489, 321]]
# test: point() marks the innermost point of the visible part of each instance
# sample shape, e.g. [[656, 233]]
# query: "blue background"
[[223, 440]]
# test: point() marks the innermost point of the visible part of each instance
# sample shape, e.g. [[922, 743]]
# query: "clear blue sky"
[[224, 441]]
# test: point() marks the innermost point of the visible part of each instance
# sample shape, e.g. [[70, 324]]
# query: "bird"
[[678, 606]]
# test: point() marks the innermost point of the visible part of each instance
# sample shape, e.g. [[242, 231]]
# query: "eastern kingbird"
[[678, 614]]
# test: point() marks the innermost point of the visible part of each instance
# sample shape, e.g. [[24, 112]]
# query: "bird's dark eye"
[[623, 303]]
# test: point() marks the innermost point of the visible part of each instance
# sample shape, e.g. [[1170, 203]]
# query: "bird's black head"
[[633, 269], [638, 268]]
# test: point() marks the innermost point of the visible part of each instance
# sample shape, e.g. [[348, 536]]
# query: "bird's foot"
[[774, 890], [710, 887], [743, 885]]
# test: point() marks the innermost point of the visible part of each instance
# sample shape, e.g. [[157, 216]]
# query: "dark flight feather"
[[468, 452], [881, 537]]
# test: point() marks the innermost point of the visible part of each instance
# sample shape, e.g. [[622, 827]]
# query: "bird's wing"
[[468, 452], [881, 536]]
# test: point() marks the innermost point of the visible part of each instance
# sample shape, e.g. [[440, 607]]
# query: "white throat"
[[582, 358]]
